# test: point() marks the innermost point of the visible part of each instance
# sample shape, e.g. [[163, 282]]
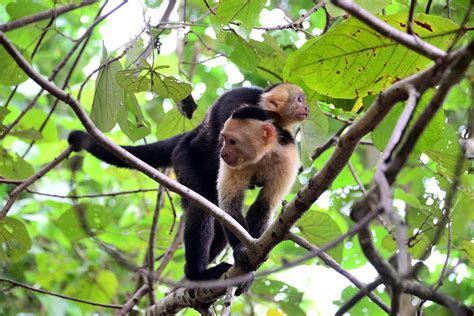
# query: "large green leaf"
[[319, 228], [108, 96], [244, 11], [14, 240], [10, 73], [14, 167], [91, 216], [352, 60]]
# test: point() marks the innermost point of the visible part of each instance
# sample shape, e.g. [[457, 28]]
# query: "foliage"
[[83, 247]]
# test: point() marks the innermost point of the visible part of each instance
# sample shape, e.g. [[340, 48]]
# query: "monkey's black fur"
[[194, 155]]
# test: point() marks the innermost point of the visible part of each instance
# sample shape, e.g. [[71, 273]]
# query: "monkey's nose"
[[224, 155]]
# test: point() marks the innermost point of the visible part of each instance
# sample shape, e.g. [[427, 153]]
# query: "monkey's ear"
[[268, 133]]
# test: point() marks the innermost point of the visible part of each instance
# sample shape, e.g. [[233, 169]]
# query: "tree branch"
[[42, 16]]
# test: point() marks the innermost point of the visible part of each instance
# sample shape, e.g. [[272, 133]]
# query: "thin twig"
[[11, 181], [356, 178], [366, 290], [410, 17], [328, 260], [20, 188], [15, 283], [151, 245], [88, 196]]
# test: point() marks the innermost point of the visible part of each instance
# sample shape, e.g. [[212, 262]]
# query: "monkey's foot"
[[242, 259]]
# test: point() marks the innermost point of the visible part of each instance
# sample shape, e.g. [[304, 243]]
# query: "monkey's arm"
[[231, 186], [156, 154]]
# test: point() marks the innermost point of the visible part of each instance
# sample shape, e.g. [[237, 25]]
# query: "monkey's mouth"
[[231, 162], [302, 115]]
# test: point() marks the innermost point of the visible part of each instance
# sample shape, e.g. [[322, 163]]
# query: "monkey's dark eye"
[[232, 141], [300, 99]]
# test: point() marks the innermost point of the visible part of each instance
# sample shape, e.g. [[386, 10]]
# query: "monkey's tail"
[[157, 154]]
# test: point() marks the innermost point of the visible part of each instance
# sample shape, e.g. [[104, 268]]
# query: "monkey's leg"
[[198, 238]]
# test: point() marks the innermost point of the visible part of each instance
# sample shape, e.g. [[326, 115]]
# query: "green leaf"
[[244, 11], [389, 244], [319, 228], [174, 122], [314, 132], [72, 221], [100, 287], [131, 120], [14, 167], [30, 134], [33, 120], [26, 35], [145, 79], [10, 73], [14, 240], [468, 247], [287, 297], [108, 97], [419, 246], [243, 55], [374, 6], [170, 87], [429, 137], [416, 247], [352, 60], [365, 306], [446, 151], [408, 198]]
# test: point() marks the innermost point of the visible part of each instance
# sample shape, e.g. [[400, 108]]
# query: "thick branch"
[[42, 16], [124, 155]]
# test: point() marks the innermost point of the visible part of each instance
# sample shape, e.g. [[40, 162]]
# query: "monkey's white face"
[[245, 142]]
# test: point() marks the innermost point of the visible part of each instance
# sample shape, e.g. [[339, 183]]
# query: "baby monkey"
[[256, 150]]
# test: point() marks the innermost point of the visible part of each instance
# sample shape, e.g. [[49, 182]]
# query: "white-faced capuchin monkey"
[[194, 155], [255, 150]]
